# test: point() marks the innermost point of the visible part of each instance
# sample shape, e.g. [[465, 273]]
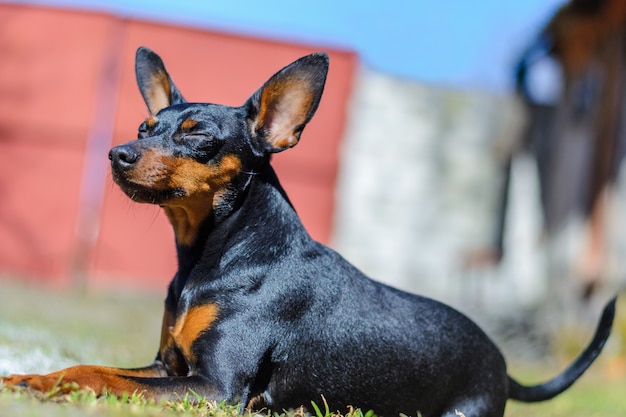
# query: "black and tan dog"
[[258, 313]]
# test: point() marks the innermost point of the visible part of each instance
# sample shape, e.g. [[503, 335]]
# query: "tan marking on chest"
[[166, 338], [191, 325], [203, 185]]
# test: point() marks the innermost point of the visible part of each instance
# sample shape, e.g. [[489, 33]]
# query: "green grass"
[[97, 328], [22, 402], [43, 330], [592, 396]]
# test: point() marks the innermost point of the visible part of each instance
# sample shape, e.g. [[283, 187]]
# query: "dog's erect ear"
[[281, 108], [156, 86]]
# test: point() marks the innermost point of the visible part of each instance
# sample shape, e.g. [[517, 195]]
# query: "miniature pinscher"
[[258, 313]]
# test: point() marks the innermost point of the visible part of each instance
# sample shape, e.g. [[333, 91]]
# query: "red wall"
[[67, 87]]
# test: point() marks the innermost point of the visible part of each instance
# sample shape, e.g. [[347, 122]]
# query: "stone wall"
[[421, 175]]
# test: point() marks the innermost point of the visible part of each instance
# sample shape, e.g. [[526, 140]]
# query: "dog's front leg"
[[150, 381], [97, 378]]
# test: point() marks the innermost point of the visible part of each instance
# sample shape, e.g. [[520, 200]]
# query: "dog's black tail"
[[563, 381]]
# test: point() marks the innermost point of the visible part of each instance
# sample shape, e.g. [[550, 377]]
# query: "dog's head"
[[188, 156]]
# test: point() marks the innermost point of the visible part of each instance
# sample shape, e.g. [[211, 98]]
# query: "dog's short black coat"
[[258, 312]]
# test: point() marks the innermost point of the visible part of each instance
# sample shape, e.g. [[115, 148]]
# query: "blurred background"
[[468, 151]]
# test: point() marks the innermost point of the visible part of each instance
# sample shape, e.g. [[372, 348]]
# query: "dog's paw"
[[42, 383], [18, 380]]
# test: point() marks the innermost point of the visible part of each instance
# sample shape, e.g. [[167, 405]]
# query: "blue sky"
[[460, 43]]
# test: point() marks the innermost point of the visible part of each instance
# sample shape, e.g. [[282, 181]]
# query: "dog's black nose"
[[123, 156]]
